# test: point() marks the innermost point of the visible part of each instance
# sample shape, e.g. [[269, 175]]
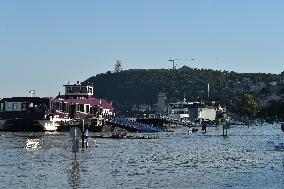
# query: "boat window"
[[91, 110], [44, 107], [38, 108], [75, 89], [24, 107], [15, 106], [83, 90], [90, 90], [56, 106], [60, 106], [63, 107], [68, 89], [87, 108], [81, 107], [78, 89]]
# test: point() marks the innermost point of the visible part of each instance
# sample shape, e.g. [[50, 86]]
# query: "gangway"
[[131, 125]]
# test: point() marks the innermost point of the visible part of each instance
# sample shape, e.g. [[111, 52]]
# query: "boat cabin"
[[24, 104], [79, 103], [191, 111], [79, 90]]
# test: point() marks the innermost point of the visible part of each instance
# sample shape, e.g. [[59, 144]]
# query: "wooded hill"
[[141, 86]]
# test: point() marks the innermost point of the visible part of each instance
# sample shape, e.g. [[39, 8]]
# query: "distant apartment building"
[[273, 83], [264, 101], [246, 80], [257, 87], [238, 87]]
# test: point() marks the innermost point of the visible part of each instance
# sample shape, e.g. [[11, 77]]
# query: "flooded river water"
[[245, 159]]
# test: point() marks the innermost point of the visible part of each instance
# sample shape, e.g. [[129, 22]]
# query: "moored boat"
[[79, 104], [25, 114]]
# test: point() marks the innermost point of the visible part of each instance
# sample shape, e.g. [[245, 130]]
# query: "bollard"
[[83, 134]]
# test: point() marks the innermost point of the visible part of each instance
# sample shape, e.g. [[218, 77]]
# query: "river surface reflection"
[[245, 159]]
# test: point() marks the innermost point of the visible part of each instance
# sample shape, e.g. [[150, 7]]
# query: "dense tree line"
[[129, 87]]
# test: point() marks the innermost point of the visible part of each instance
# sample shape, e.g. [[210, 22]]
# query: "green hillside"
[[141, 86]]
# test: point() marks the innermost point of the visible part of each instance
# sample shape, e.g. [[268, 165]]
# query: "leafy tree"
[[249, 105]]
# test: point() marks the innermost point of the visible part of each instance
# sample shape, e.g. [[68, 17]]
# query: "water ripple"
[[245, 159]]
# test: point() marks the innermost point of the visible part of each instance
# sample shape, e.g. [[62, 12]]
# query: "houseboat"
[[25, 114], [79, 104], [190, 112], [182, 113]]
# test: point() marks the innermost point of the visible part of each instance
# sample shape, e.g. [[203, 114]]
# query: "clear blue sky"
[[45, 43]]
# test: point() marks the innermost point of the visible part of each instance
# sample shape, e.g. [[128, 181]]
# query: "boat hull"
[[26, 125]]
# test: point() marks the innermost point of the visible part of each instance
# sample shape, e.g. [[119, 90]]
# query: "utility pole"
[[173, 61], [208, 91]]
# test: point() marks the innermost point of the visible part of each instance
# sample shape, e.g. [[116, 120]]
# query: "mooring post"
[[75, 135], [83, 134]]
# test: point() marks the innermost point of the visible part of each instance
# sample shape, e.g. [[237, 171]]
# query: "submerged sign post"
[[75, 134]]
